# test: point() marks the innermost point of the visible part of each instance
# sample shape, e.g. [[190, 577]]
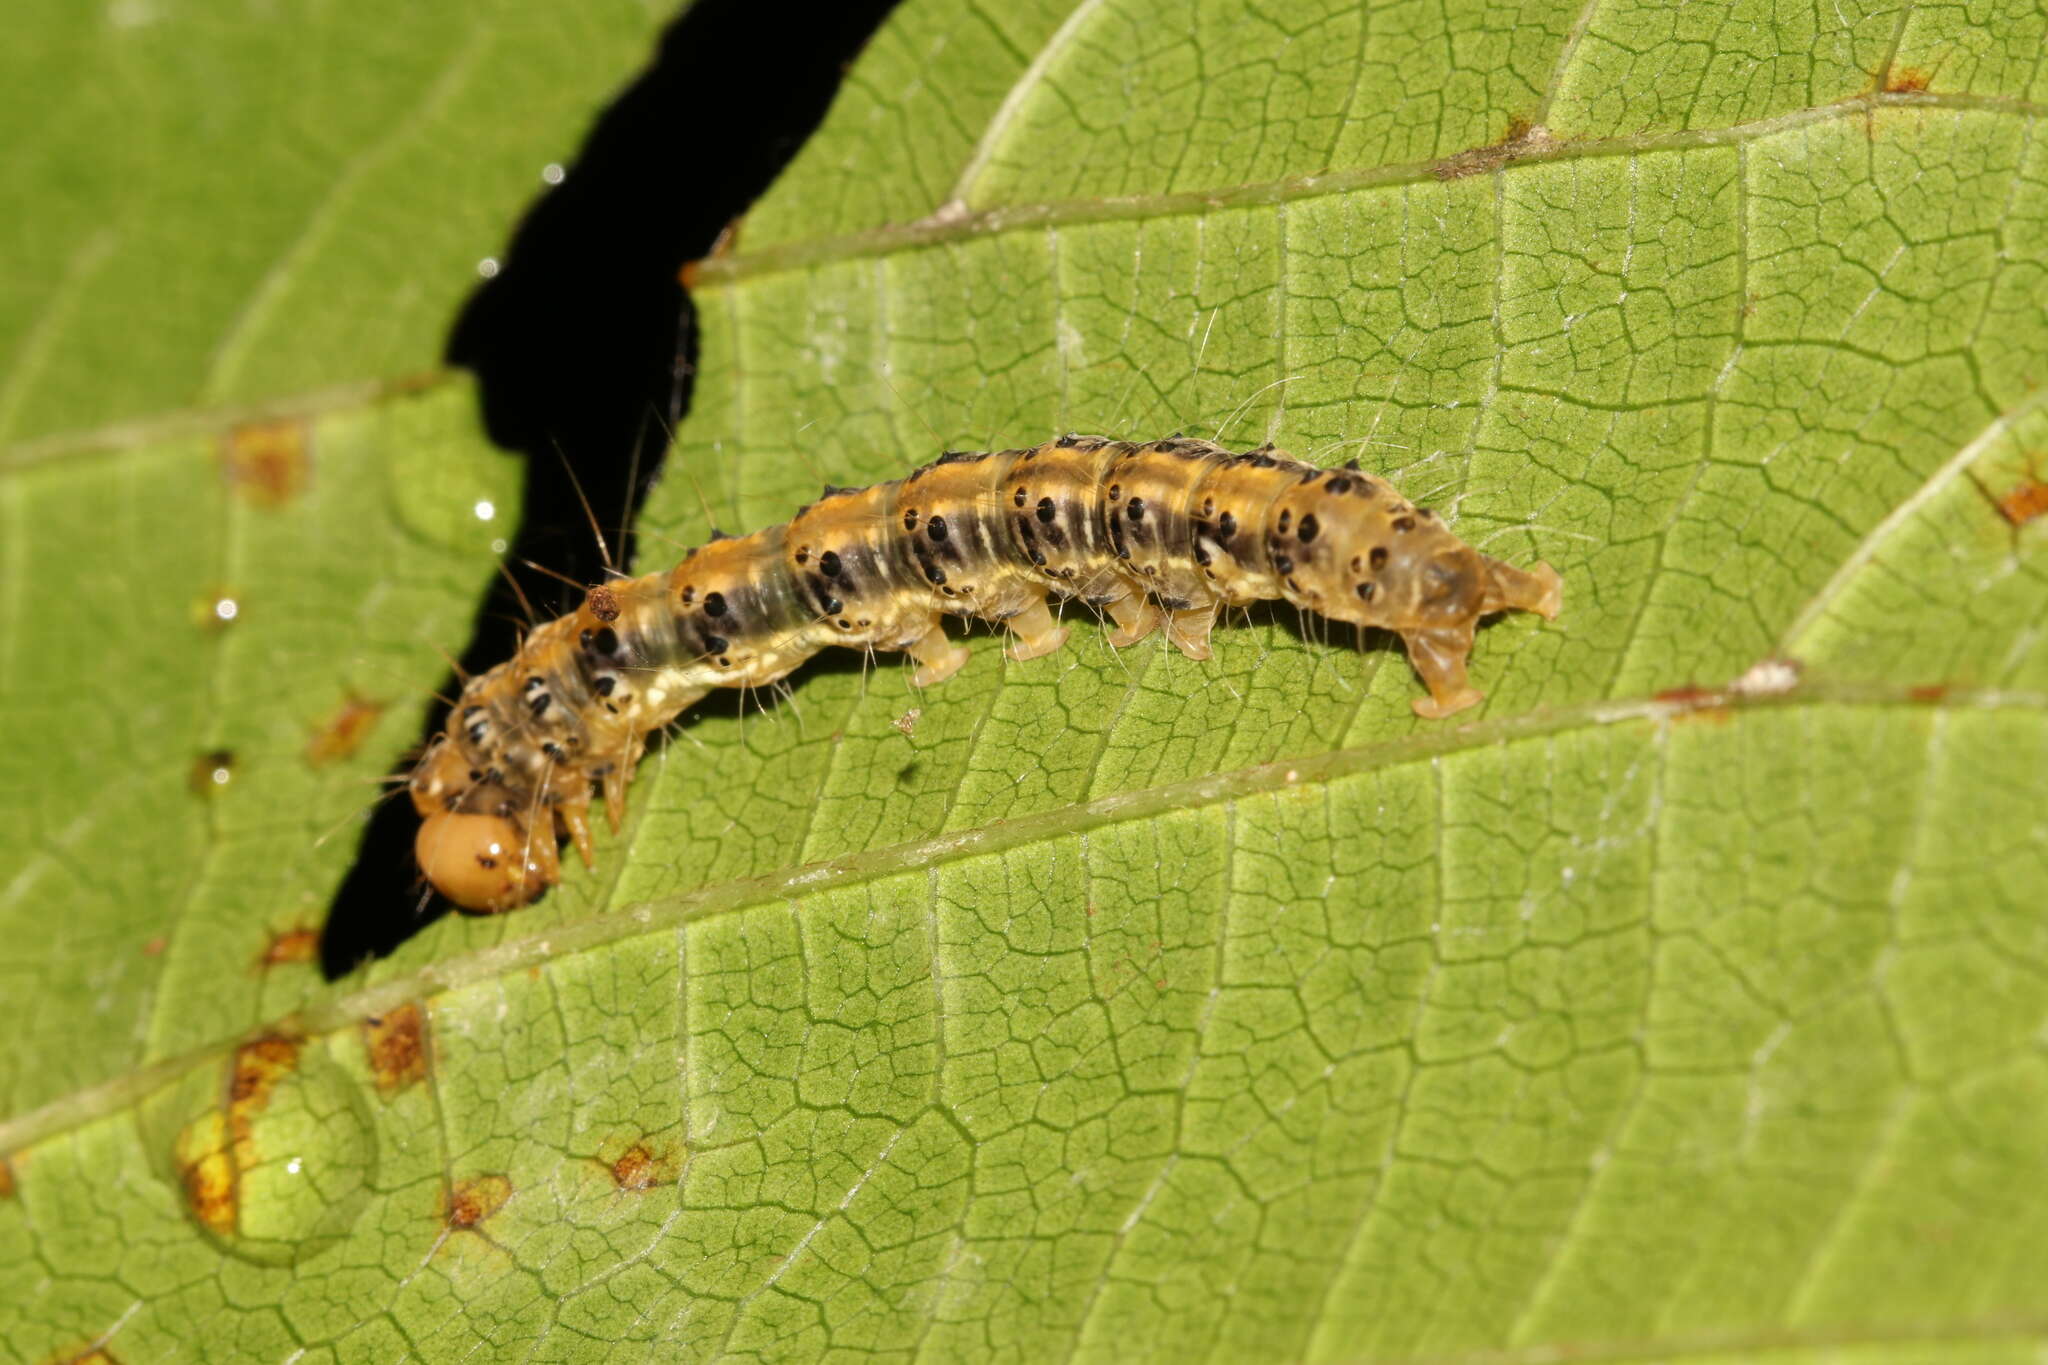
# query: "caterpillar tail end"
[[1550, 592], [1439, 653], [484, 864], [1539, 590]]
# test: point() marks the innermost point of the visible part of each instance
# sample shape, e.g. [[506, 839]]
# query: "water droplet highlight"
[[273, 1153]]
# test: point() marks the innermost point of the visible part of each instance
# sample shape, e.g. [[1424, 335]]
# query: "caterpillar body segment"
[[1156, 536]]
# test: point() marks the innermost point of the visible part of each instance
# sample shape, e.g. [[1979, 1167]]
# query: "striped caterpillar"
[[1158, 535]]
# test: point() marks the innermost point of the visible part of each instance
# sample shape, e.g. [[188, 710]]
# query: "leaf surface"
[[1110, 1005]]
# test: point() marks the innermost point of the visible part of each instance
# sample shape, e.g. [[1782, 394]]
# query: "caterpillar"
[[1156, 536]]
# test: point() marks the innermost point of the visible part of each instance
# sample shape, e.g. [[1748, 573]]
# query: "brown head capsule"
[[483, 863]]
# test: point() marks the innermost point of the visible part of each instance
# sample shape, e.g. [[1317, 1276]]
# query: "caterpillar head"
[[485, 864], [472, 852]]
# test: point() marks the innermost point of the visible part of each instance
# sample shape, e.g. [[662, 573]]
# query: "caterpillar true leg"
[[575, 818], [616, 780]]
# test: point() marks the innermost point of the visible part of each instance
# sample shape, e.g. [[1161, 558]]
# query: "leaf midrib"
[[668, 913]]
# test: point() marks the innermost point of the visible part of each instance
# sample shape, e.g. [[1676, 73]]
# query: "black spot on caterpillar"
[[1158, 536]]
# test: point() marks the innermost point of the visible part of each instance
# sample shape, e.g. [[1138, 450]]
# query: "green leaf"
[[1112, 1006]]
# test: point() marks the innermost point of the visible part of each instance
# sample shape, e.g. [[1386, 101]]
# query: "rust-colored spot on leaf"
[[1908, 80], [213, 1150], [155, 947], [1928, 692], [269, 463], [2024, 503], [289, 946], [6, 1178], [1693, 701], [342, 733], [259, 1066], [1522, 139], [206, 1167], [396, 1042], [642, 1167], [473, 1201]]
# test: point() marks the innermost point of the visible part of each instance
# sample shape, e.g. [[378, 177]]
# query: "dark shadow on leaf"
[[584, 344]]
